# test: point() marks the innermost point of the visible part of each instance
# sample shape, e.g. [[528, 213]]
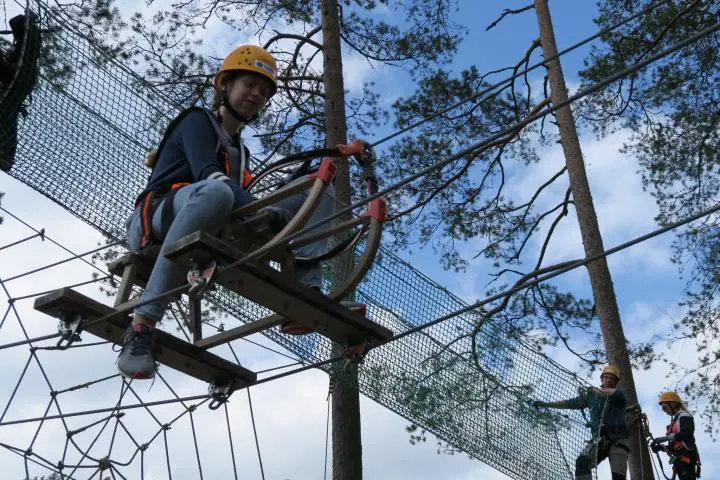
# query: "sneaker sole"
[[138, 375]]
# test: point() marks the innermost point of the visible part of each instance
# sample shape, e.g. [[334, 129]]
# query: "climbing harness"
[[231, 160], [656, 447]]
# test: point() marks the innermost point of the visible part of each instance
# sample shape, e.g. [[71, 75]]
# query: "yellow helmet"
[[249, 58], [612, 370], [670, 397]]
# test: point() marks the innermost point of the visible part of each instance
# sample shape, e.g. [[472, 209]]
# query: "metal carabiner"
[[354, 355], [220, 394]]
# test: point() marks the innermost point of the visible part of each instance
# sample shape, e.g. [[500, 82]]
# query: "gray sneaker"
[[136, 358]]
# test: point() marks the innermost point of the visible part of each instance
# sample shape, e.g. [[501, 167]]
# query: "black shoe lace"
[[141, 343]]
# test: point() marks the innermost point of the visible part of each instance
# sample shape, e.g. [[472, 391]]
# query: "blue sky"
[[646, 283]]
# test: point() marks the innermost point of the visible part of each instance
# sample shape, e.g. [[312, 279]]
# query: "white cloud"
[[623, 209], [358, 70]]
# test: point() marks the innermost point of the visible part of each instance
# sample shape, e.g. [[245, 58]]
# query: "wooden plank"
[[240, 332], [143, 261], [174, 352], [284, 296], [126, 284]]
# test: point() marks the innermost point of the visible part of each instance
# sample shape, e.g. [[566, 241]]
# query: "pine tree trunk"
[[346, 434], [602, 286]]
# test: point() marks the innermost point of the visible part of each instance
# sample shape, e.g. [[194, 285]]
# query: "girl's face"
[[248, 94]]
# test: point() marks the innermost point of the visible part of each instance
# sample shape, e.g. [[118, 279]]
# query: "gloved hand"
[[538, 404], [656, 447], [279, 217]]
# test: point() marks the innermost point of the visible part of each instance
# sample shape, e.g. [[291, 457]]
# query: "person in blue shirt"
[[607, 423], [194, 188]]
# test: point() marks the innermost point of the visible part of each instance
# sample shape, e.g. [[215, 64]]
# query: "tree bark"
[[346, 432], [600, 279]]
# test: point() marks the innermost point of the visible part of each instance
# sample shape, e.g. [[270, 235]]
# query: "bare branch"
[[562, 214], [303, 39], [507, 12]]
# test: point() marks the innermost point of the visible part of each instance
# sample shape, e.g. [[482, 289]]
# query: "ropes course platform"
[[66, 304], [268, 287]]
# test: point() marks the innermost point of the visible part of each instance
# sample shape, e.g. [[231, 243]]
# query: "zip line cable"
[[541, 276], [74, 255], [554, 271]]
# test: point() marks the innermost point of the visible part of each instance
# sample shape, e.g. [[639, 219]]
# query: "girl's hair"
[[217, 94]]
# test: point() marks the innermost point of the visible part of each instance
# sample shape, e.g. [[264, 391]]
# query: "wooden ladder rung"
[[174, 352], [241, 331]]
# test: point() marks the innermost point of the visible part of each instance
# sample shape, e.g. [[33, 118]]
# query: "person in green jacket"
[[610, 436]]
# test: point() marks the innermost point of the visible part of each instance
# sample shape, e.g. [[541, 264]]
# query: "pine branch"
[[507, 12]]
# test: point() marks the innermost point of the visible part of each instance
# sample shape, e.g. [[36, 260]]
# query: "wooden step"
[[239, 332], [270, 288], [174, 352]]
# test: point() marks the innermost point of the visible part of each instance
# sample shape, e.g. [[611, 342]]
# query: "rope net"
[[89, 123]]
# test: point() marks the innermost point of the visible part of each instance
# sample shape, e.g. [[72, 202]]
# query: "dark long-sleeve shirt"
[[189, 155], [611, 416]]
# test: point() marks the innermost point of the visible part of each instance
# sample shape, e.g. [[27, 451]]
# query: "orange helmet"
[[249, 58], [670, 397]]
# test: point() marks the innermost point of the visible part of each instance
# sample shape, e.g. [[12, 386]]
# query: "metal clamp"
[[354, 355], [367, 159], [199, 279], [220, 392], [69, 330]]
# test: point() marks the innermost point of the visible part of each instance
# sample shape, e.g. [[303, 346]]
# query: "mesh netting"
[[87, 129]]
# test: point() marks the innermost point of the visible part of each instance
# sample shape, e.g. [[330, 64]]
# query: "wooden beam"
[[126, 284], [143, 263], [174, 352], [286, 297], [240, 332]]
